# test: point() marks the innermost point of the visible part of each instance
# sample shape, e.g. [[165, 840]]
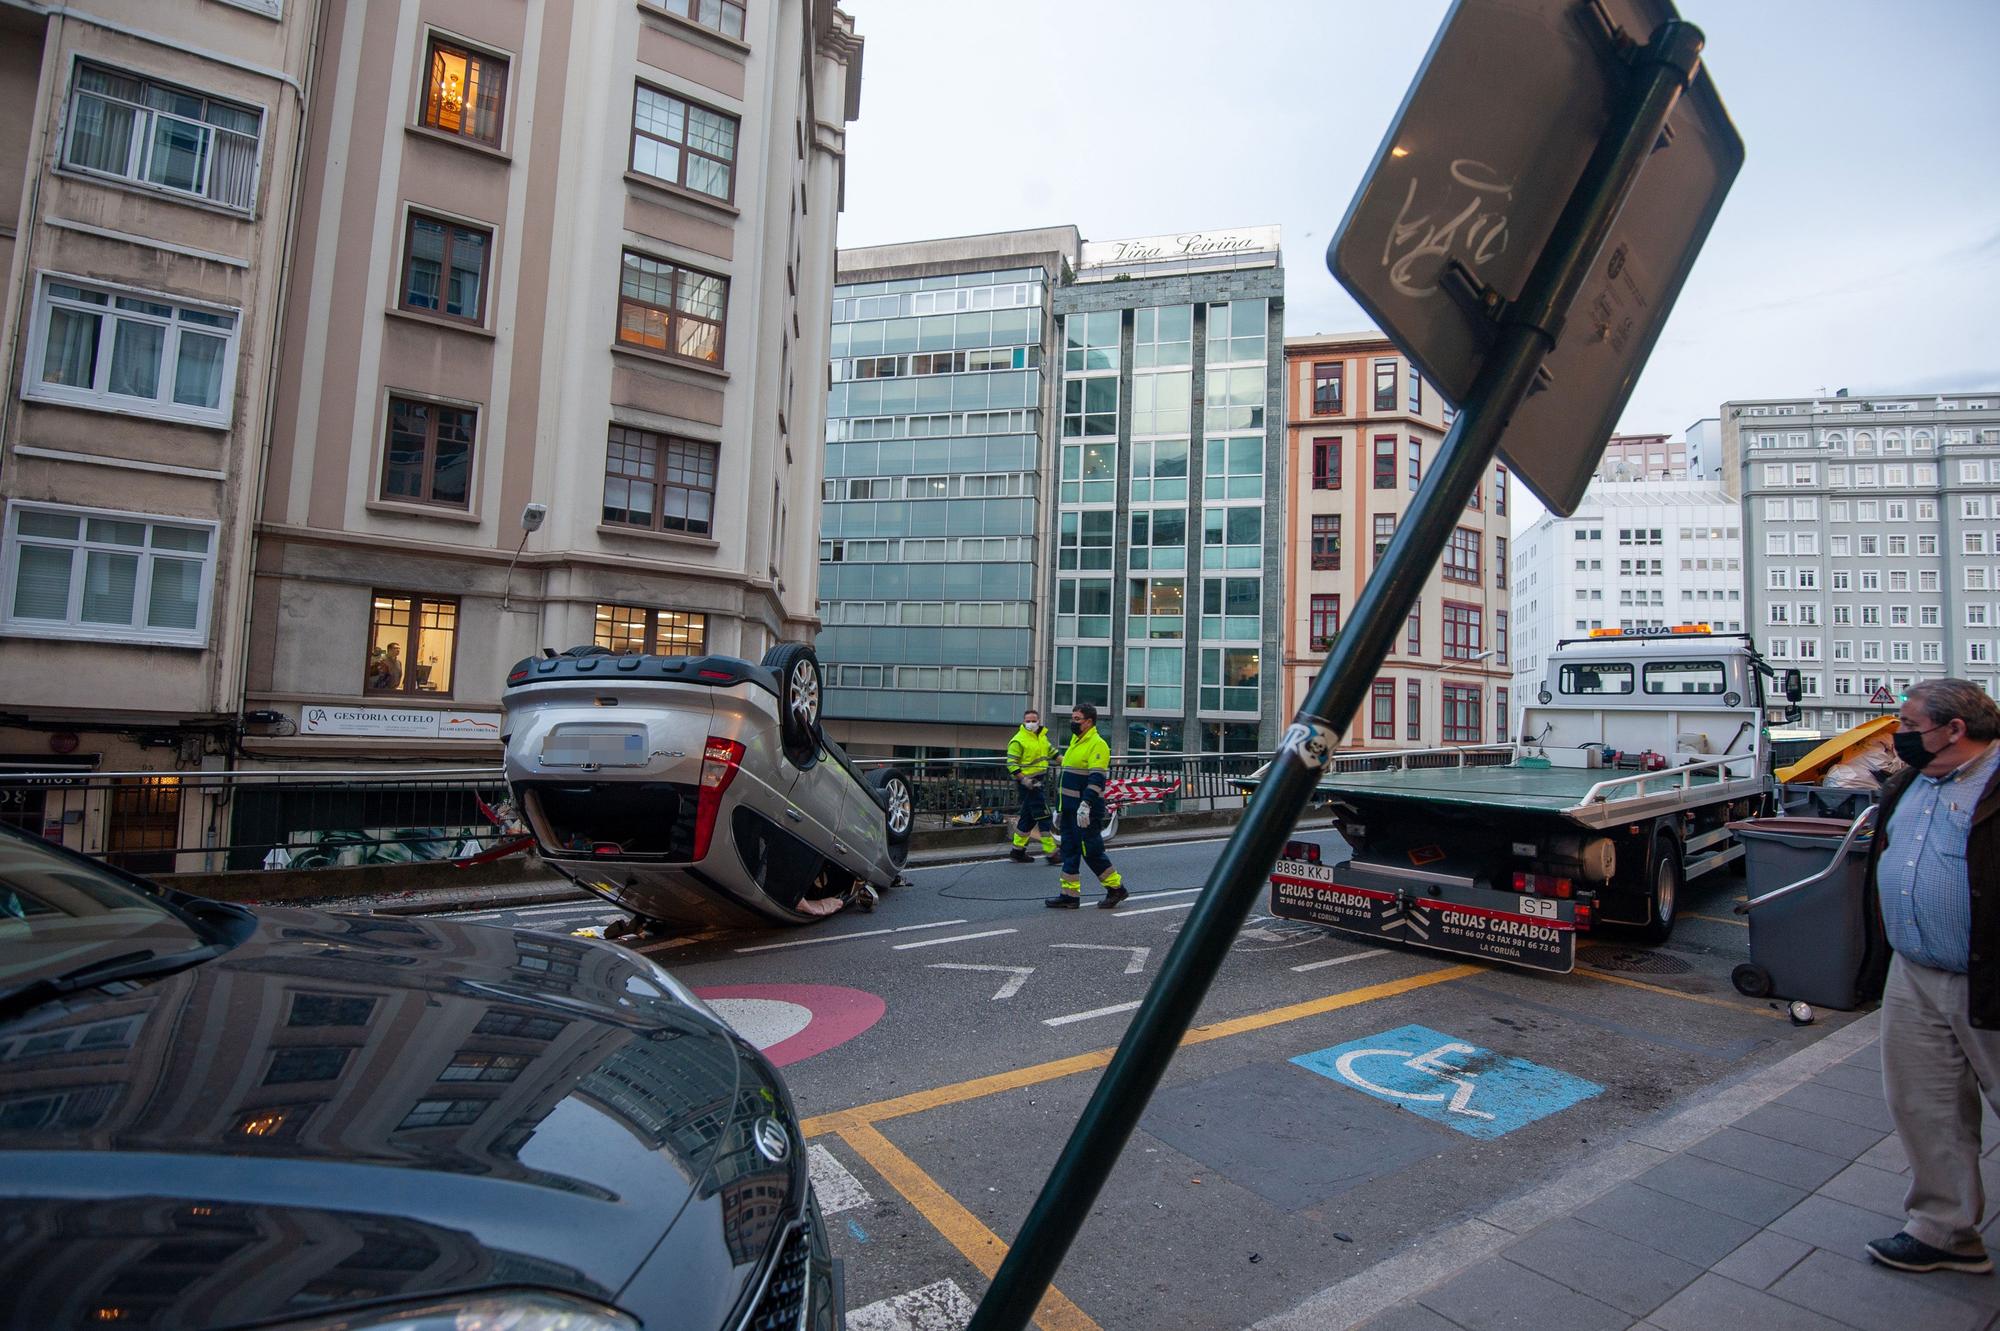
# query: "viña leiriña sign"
[[1196, 248]]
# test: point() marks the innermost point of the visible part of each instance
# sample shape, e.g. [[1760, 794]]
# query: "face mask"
[[1076, 727], [1910, 748]]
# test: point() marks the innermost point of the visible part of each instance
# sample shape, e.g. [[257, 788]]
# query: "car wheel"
[[799, 693], [900, 816], [1663, 900]]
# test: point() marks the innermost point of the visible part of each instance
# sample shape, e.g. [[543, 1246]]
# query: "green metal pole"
[[1528, 333]]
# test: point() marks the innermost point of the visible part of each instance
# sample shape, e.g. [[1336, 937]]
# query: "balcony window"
[[119, 577], [1326, 541], [161, 137], [1327, 388], [131, 351], [1325, 621]]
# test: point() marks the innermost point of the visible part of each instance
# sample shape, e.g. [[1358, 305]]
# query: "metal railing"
[[973, 791]]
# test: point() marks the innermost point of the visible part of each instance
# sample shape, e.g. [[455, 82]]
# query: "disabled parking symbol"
[[1428, 1073]]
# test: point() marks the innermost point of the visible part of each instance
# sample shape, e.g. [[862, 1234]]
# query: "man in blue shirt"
[[1935, 868]]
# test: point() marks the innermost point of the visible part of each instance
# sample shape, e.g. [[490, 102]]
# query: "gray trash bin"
[[1814, 943]]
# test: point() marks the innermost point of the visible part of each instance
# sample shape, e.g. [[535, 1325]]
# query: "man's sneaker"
[[1020, 856], [1112, 896], [1063, 901], [1908, 1253]]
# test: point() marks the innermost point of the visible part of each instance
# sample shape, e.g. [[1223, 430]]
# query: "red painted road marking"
[[798, 1020]]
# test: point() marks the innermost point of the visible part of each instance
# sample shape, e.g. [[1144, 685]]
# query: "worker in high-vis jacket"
[[1028, 763], [1086, 767]]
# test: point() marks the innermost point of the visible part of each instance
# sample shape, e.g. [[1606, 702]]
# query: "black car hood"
[[350, 1109]]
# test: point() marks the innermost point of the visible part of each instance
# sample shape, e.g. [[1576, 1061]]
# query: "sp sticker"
[[1311, 741]]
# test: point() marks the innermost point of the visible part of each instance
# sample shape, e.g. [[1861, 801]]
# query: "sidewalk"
[[1746, 1211]]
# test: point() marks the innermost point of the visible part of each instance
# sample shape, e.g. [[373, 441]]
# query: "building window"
[[1413, 637], [1230, 679], [1499, 492], [1500, 735], [1462, 631], [429, 453], [1385, 531], [159, 136], [1326, 540], [1461, 714], [1461, 556], [1413, 709], [670, 309], [1500, 561], [121, 577], [444, 268], [1416, 392], [725, 16], [1326, 464], [684, 143], [1499, 637], [1328, 387], [412, 642], [132, 351], [1382, 710], [659, 482], [1385, 462], [1385, 385], [1325, 620], [465, 92], [632, 628], [1416, 463]]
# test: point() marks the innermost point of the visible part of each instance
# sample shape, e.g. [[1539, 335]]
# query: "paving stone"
[[1864, 1111], [1889, 1154], [1868, 1056], [1983, 1290], [1410, 1317], [1763, 1259], [1841, 1229], [1799, 1166], [1852, 1078], [1812, 1131], [1874, 1298], [1499, 1295], [1870, 1189], [1667, 1224], [1602, 1265], [1722, 1188], [1713, 1303]]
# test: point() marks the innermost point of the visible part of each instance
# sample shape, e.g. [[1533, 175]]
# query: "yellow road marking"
[[979, 1088], [980, 1245], [1715, 919], [1675, 993]]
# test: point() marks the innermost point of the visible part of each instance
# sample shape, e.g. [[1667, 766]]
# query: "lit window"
[[412, 644], [666, 308], [465, 92]]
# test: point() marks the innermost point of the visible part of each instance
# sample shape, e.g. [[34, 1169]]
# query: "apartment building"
[[1643, 457], [553, 366], [937, 486], [1167, 593], [1363, 428], [148, 154], [1875, 525], [1634, 555]]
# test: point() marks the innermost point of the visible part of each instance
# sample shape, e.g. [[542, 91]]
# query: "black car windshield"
[[60, 914]]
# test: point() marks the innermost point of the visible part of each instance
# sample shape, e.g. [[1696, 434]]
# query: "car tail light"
[[1543, 885], [517, 674], [720, 762], [1302, 850], [1583, 915], [717, 674]]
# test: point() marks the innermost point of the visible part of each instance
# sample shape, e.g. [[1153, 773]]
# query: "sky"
[[1859, 248]]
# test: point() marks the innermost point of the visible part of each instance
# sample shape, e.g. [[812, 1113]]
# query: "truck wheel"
[[1664, 898], [901, 816], [1751, 981], [799, 692]]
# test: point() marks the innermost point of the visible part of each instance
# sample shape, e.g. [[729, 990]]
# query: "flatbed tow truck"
[[1637, 753]]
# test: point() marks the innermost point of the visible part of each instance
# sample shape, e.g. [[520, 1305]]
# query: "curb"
[[1438, 1257]]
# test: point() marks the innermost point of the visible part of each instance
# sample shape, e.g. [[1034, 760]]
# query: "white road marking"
[[955, 938], [837, 1189], [1341, 961], [939, 1307], [1111, 1011], [1132, 967], [1149, 910], [840, 938], [1007, 990]]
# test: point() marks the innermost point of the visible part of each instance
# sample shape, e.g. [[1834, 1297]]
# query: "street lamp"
[[532, 518]]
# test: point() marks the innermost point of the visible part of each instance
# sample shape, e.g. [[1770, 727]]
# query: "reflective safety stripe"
[[1112, 879], [1020, 841]]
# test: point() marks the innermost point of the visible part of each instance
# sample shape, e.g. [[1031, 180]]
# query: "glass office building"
[[941, 378], [1167, 597]]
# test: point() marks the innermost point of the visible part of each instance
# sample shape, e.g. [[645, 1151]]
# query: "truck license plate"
[[1307, 892], [595, 746]]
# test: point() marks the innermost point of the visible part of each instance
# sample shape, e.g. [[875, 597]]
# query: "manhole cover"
[[1608, 958]]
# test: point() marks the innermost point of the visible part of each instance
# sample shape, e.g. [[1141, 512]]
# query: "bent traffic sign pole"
[[1527, 333]]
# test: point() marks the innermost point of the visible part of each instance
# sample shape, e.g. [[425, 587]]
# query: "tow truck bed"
[[1557, 790]]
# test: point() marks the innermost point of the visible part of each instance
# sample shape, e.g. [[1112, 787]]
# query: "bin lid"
[[1797, 830]]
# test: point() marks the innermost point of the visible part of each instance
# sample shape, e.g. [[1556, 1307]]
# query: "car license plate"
[[1302, 891], [595, 746]]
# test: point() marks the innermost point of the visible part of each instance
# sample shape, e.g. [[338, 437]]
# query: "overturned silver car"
[[699, 789]]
